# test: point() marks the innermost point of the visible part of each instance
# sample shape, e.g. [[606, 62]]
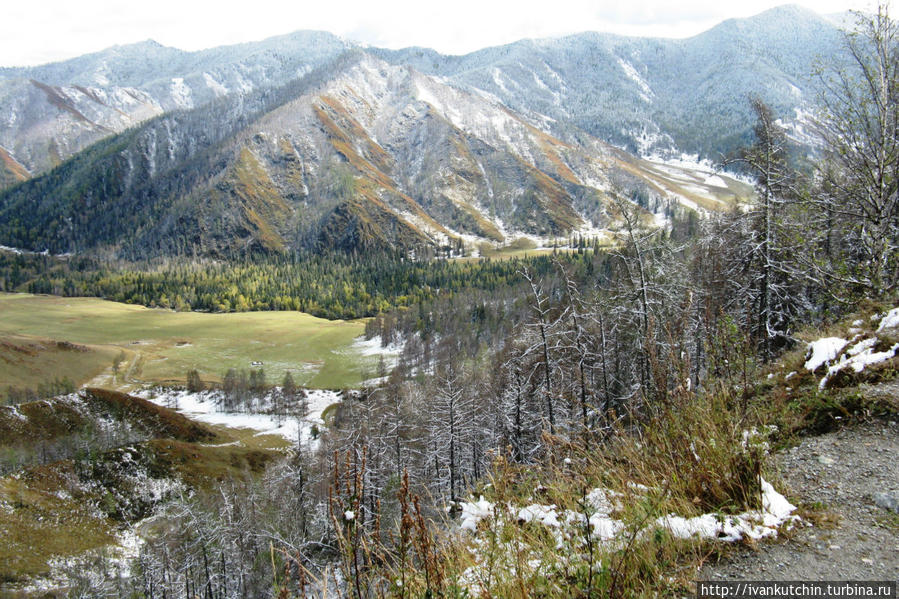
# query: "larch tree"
[[858, 124], [769, 268]]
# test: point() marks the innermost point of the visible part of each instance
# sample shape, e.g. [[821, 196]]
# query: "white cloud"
[[32, 33]]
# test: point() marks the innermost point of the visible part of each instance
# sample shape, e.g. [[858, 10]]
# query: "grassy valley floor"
[[160, 346]]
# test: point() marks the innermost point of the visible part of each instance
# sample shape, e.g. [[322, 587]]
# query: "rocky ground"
[[848, 483]]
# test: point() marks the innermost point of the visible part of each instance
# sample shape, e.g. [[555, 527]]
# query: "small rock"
[[888, 500], [826, 460]]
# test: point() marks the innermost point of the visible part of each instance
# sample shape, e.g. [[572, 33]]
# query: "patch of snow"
[[206, 407], [822, 351], [540, 83], [18, 251], [473, 512], [127, 550], [715, 181], [646, 93], [639, 487], [605, 528], [543, 514], [891, 320], [486, 179], [862, 346], [373, 347], [181, 94], [217, 88], [684, 161], [557, 97], [775, 512], [156, 489], [858, 357], [497, 80], [15, 413], [101, 74], [758, 524]]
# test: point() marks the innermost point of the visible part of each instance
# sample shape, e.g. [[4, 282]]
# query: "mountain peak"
[[778, 17]]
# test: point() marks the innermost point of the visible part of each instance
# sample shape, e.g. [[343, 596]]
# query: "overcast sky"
[[49, 30]]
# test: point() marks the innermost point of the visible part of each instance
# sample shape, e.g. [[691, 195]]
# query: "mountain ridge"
[[591, 81], [359, 155], [306, 141]]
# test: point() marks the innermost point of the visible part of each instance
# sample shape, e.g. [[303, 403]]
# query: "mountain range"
[[310, 141]]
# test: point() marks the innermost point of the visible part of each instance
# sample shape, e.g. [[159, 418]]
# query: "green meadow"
[[160, 346]]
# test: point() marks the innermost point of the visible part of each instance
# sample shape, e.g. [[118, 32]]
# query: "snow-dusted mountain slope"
[[50, 112], [651, 96], [654, 95], [359, 154]]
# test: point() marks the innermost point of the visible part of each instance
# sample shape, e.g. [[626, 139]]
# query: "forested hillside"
[[333, 285]]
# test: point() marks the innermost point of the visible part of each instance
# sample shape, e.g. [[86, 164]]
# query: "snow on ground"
[[568, 527], [20, 252], [475, 511], [544, 514], [684, 161], [715, 181], [858, 356], [891, 320], [646, 92], [367, 348], [215, 86], [755, 524], [822, 351], [206, 407], [181, 93], [688, 169], [758, 524]]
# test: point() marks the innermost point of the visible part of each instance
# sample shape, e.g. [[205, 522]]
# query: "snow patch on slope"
[[822, 351], [568, 528], [859, 356], [181, 94], [715, 181], [754, 524], [646, 93], [890, 321], [215, 86]]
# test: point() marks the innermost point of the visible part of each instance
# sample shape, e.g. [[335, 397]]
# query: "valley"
[[160, 346], [309, 317]]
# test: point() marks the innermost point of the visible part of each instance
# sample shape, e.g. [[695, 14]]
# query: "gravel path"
[[844, 471]]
